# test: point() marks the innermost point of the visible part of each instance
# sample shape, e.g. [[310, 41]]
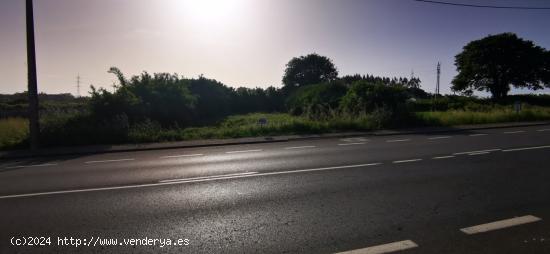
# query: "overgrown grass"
[[76, 131], [247, 126], [13, 132], [460, 117]]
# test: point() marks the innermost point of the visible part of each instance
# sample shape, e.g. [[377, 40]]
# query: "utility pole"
[[34, 127], [78, 85], [438, 76]]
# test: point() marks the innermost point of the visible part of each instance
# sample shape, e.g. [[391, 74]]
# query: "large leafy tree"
[[497, 62], [308, 70]]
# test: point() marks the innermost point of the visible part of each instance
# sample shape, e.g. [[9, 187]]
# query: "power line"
[[485, 6]]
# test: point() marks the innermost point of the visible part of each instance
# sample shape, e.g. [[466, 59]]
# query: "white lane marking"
[[479, 151], [404, 161], [442, 137], [541, 130], [181, 156], [525, 148], [35, 165], [500, 224], [245, 151], [354, 139], [398, 140], [352, 144], [443, 157], [384, 248], [478, 134], [191, 179], [105, 161], [299, 147], [513, 132], [179, 182]]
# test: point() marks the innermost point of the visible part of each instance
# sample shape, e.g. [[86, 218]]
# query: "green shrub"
[[14, 132], [496, 115], [163, 98], [364, 97], [317, 101]]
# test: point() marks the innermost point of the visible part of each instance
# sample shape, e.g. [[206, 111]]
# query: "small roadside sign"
[[262, 121], [517, 106]]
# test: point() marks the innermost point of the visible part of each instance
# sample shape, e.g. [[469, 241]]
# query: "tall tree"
[[308, 70], [497, 62]]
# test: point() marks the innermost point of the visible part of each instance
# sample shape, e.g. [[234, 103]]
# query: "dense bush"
[[162, 97], [213, 99], [366, 97], [247, 100], [317, 101]]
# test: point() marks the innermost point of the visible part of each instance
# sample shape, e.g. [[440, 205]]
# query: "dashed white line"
[[35, 165], [181, 156], [513, 132], [352, 144], [526, 148], [397, 140], [183, 182], [105, 161], [479, 151], [478, 134], [405, 161], [443, 157], [192, 179], [442, 137], [500, 224], [541, 130], [299, 147], [384, 248], [245, 151]]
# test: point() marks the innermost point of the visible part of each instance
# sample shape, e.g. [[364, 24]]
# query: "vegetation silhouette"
[[308, 70], [496, 62]]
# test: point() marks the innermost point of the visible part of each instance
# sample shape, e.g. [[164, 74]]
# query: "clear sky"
[[248, 42]]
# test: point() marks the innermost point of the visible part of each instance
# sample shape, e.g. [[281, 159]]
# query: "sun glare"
[[212, 12]]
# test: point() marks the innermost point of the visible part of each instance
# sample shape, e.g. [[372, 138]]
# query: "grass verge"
[[13, 132], [460, 117]]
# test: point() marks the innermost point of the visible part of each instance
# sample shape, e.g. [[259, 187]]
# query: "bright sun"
[[211, 12]]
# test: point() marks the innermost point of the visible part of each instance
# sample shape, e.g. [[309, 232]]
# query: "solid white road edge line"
[[478, 134], [205, 177], [36, 165], [384, 248], [442, 137], [404, 161], [182, 182], [181, 156], [244, 151], [104, 161], [480, 151], [543, 130], [443, 157], [299, 147], [526, 148], [352, 144], [500, 224], [513, 132], [397, 140]]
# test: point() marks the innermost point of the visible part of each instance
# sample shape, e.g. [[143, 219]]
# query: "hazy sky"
[[247, 42]]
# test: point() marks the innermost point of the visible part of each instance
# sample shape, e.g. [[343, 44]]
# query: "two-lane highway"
[[410, 193]]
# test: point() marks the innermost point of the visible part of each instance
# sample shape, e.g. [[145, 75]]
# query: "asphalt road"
[[469, 192]]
